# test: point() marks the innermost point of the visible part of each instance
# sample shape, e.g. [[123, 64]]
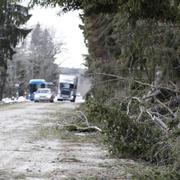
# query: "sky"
[[65, 29]]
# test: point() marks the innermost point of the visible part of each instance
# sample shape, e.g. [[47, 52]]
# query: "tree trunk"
[[3, 75], [178, 86]]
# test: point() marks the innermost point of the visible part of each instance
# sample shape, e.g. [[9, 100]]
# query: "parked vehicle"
[[43, 94], [67, 87]]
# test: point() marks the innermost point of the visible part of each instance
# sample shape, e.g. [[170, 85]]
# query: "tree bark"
[[3, 75], [178, 86]]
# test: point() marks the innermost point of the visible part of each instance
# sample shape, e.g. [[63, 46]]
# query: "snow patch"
[[13, 100]]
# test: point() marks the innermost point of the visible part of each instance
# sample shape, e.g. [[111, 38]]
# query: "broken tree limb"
[[128, 106], [160, 115], [86, 120], [74, 127], [151, 94], [158, 121], [166, 107], [130, 101], [142, 110], [137, 98]]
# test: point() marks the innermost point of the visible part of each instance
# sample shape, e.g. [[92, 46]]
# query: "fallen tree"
[[144, 125]]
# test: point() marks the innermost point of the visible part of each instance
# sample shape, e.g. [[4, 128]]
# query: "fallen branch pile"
[[139, 120], [160, 112]]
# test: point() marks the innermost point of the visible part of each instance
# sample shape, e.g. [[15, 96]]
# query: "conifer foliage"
[[12, 16]]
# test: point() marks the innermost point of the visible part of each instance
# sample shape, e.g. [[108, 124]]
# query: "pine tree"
[[12, 15], [43, 50]]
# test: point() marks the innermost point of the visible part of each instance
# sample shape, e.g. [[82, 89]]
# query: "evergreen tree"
[[42, 51], [12, 15], [135, 9], [33, 60]]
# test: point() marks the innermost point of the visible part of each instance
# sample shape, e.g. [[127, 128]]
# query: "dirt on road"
[[32, 147]]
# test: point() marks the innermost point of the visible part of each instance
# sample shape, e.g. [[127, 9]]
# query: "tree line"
[[34, 60], [24, 59]]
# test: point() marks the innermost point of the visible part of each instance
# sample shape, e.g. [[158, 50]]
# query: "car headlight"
[[49, 96], [36, 96]]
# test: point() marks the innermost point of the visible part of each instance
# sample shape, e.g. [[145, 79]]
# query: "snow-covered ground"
[[79, 99], [14, 100]]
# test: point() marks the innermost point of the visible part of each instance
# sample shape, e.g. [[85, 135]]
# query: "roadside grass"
[[11, 106], [52, 128], [20, 177], [51, 133], [82, 178]]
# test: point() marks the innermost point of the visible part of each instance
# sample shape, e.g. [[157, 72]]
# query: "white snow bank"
[[7, 100], [14, 100]]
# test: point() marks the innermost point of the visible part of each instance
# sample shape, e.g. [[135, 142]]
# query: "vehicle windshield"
[[34, 87], [66, 85]]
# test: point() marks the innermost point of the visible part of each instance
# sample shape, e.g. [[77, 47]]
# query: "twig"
[[158, 121], [153, 94], [128, 107], [160, 115], [165, 107], [142, 109], [137, 98], [86, 120], [129, 103]]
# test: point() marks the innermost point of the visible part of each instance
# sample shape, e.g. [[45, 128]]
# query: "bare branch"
[[128, 107], [158, 121], [87, 123], [142, 109], [165, 107], [137, 81]]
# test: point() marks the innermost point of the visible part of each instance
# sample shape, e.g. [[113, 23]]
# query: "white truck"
[[67, 87]]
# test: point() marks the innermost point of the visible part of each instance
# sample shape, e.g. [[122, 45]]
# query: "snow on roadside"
[[13, 100], [79, 99]]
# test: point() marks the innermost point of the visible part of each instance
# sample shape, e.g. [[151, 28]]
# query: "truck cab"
[[67, 87]]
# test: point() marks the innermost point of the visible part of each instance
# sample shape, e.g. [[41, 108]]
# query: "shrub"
[[128, 138]]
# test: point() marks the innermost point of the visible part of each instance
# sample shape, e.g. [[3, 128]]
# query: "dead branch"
[[128, 106], [158, 121], [129, 103], [86, 120], [151, 94], [74, 127], [138, 99], [142, 110], [166, 107], [160, 115]]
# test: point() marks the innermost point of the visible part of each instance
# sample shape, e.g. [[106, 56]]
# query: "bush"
[[128, 138]]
